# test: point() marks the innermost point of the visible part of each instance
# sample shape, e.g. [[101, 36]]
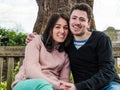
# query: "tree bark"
[[48, 7]]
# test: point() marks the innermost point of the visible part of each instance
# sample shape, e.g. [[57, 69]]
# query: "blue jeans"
[[33, 84], [112, 86]]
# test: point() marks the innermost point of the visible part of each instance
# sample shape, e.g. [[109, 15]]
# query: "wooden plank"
[[10, 72], [1, 68], [19, 50], [115, 59], [12, 50], [21, 60], [116, 51]]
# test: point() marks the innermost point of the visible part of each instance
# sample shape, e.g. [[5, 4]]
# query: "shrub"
[[11, 38]]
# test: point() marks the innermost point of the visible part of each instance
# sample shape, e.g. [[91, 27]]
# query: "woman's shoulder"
[[65, 55]]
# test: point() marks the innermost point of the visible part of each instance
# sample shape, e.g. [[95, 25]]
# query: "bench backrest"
[[8, 55]]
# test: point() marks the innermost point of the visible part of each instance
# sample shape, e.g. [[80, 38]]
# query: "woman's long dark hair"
[[47, 35]]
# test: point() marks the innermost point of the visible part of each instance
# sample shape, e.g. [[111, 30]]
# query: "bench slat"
[[1, 68], [10, 72]]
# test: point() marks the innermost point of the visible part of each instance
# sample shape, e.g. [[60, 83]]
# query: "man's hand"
[[72, 87], [30, 37], [62, 87], [69, 86]]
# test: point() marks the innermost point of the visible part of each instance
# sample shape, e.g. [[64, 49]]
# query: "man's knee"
[[115, 86], [112, 86]]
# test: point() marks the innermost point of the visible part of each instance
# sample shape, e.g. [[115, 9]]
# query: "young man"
[[90, 54]]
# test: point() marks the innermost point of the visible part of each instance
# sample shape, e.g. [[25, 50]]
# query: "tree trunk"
[[47, 7]]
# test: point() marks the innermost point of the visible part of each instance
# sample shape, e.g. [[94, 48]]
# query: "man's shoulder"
[[99, 33]]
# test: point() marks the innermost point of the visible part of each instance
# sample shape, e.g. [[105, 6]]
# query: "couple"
[[46, 65]]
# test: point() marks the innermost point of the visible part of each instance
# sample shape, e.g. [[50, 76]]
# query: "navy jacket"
[[92, 64]]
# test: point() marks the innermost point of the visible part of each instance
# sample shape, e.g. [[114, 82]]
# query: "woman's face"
[[60, 31]]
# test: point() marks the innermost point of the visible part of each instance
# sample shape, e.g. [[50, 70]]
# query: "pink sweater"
[[39, 63]]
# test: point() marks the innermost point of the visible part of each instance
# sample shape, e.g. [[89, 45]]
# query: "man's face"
[[79, 22]]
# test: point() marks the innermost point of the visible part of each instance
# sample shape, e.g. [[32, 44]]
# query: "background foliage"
[[11, 38]]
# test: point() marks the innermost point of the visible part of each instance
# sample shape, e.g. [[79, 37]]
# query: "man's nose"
[[78, 21]]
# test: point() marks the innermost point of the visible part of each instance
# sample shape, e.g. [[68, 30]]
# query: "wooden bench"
[[116, 53], [9, 54]]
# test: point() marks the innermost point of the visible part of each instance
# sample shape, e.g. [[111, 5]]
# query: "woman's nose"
[[62, 30]]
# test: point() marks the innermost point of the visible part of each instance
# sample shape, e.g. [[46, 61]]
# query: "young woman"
[[46, 64]]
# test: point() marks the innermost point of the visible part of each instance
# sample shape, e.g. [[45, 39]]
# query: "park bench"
[[11, 54]]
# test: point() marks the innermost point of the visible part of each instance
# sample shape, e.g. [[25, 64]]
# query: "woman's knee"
[[33, 84]]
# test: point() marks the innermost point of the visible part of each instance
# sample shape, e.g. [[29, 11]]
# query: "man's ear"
[[89, 24]]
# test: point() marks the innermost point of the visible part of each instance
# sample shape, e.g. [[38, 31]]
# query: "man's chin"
[[77, 33]]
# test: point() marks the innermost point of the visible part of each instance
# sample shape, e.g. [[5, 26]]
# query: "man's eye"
[[73, 18], [82, 19]]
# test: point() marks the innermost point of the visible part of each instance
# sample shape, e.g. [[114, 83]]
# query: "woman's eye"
[[66, 28], [57, 27]]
